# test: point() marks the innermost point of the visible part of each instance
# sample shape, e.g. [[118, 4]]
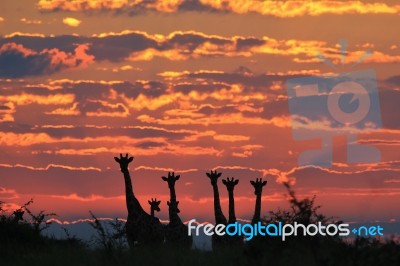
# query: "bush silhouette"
[[21, 243]]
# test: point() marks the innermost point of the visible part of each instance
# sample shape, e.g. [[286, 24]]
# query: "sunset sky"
[[186, 86]]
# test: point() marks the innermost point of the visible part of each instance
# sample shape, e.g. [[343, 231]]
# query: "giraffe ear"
[[252, 182], [117, 159], [164, 178], [208, 174], [130, 159], [236, 181], [224, 181], [177, 177], [158, 202], [149, 202], [264, 183], [219, 174]]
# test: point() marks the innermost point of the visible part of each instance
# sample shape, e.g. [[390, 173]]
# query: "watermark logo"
[[342, 104], [249, 231]]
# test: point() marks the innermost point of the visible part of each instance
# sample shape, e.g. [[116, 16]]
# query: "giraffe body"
[[140, 226], [176, 230], [219, 215], [230, 186]]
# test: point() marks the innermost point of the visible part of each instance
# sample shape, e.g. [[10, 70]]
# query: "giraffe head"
[[213, 175], [258, 185], [171, 179], [173, 206], [154, 204], [123, 161], [230, 183]]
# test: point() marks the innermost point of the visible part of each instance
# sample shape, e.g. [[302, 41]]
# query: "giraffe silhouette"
[[219, 215], [140, 226], [154, 206], [230, 186], [176, 231], [258, 186]]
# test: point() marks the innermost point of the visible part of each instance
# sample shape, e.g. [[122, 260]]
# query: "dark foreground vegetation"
[[21, 243]]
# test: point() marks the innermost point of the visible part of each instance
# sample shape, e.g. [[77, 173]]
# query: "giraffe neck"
[[219, 216], [174, 218], [172, 194], [257, 210], [151, 212], [232, 216], [132, 204]]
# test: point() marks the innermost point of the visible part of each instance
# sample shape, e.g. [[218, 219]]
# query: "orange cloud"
[[73, 110], [163, 169], [51, 166], [25, 34], [72, 22], [80, 58], [28, 139], [282, 9], [121, 68], [109, 110], [142, 101], [14, 139], [17, 47], [169, 148], [234, 118], [246, 150], [167, 6], [31, 21], [301, 8], [231, 138], [92, 197], [27, 98], [151, 53]]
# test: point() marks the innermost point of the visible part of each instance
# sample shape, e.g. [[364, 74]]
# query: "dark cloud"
[[390, 108], [150, 144], [244, 43], [319, 178], [39, 43], [209, 110], [195, 5], [187, 88], [242, 76], [395, 80], [14, 63], [18, 61], [192, 40], [117, 47], [275, 108]]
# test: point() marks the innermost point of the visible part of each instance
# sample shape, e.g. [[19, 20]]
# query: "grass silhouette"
[[21, 243]]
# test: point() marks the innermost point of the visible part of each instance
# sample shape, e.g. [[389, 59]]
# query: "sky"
[[188, 86]]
